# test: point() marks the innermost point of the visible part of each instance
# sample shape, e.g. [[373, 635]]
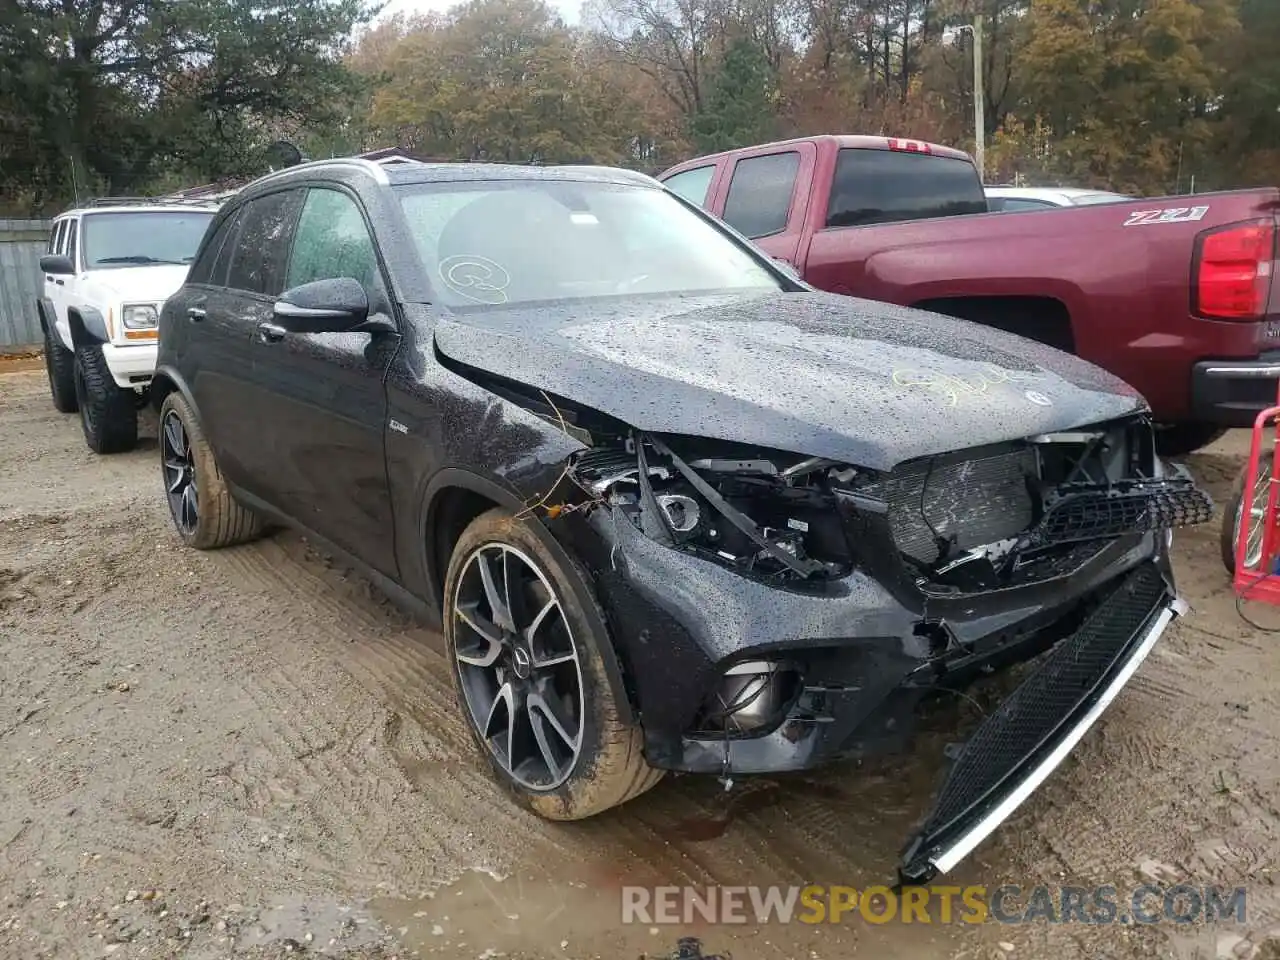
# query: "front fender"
[[49, 322], [88, 327]]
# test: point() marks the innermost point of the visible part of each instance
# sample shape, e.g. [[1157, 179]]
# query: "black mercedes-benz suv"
[[675, 509]]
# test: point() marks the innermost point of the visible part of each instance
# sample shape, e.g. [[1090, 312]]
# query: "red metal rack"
[[1260, 580]]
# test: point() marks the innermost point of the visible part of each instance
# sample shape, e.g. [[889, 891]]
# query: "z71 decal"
[[1171, 215]]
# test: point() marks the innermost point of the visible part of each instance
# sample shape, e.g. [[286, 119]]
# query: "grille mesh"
[[1098, 514], [977, 501], [1034, 712]]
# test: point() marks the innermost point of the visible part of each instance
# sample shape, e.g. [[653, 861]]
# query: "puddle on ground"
[[484, 916]]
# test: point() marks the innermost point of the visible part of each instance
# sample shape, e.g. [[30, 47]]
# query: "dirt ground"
[[251, 753]]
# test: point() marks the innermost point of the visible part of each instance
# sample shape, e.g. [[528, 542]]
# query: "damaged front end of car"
[[773, 611]]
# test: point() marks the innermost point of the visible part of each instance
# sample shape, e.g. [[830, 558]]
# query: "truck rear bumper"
[[1232, 392]]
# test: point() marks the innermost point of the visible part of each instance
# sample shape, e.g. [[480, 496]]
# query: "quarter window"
[[210, 266], [257, 264], [760, 192], [692, 184], [332, 241]]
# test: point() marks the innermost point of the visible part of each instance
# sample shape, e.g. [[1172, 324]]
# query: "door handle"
[[49, 278], [196, 314], [270, 332], [61, 283]]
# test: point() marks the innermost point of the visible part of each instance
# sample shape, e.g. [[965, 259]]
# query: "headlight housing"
[[140, 316]]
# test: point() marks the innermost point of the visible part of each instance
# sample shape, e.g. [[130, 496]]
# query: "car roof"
[[395, 171], [1063, 195]]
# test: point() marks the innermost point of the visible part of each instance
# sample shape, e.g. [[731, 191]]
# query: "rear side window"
[[886, 186], [759, 197], [257, 264], [692, 184], [205, 269], [1014, 204]]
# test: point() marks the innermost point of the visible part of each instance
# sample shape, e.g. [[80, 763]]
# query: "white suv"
[[107, 271]]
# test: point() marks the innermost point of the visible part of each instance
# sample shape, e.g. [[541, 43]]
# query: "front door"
[[324, 404], [766, 200]]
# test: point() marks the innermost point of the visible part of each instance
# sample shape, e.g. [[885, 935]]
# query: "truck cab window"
[[692, 184], [760, 192]]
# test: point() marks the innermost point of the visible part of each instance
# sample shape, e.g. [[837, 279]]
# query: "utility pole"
[[979, 111]]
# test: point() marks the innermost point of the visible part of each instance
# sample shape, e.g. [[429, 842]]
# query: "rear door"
[[322, 410], [224, 314], [766, 198], [55, 285]]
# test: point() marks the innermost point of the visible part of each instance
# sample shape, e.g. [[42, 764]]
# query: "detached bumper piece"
[[1017, 747], [1138, 506]]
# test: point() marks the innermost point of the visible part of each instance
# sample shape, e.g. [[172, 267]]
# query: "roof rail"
[[137, 201]]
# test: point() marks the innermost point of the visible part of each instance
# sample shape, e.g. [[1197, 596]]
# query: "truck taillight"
[[1232, 271]]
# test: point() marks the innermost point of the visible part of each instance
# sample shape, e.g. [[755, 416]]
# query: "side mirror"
[[57, 264], [323, 306]]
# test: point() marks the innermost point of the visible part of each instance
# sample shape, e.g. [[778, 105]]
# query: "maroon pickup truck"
[[1174, 294]]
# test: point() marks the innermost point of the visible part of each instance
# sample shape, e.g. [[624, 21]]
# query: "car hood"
[[853, 380], [149, 284]]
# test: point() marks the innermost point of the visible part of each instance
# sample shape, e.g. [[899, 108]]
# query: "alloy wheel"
[[1255, 502], [518, 666], [179, 474]]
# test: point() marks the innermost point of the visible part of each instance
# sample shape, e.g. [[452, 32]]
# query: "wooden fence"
[[21, 244]]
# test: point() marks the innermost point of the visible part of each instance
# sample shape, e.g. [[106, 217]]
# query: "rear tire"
[[1180, 439], [606, 766], [204, 513], [108, 413], [60, 364]]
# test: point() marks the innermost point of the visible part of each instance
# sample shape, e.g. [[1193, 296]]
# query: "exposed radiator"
[[976, 501]]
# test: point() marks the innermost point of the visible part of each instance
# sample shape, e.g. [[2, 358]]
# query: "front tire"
[[60, 364], [202, 508], [528, 641], [108, 413]]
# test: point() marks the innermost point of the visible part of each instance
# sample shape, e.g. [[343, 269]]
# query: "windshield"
[[489, 243], [137, 239]]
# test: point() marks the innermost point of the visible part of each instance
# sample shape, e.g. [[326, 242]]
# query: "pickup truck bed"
[[1173, 295]]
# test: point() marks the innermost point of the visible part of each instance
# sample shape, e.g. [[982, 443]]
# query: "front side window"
[[72, 243], [759, 199], [332, 241], [490, 243], [206, 267], [258, 261], [142, 237], [692, 184]]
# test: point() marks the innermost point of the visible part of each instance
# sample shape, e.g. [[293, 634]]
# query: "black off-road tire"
[[60, 364], [108, 413], [611, 768], [1180, 439], [221, 521]]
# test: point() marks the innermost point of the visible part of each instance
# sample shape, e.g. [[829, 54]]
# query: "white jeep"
[[108, 269]]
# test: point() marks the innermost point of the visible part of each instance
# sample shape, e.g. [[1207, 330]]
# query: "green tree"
[[741, 106]]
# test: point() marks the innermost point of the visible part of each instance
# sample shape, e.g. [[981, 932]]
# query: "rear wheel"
[[108, 413], [528, 646], [202, 508], [1179, 439], [60, 364], [1241, 511]]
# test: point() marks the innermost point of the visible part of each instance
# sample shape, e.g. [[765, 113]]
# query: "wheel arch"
[[88, 327], [453, 499], [1051, 318]]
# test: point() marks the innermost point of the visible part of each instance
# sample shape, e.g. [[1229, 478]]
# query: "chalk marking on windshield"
[[951, 387], [479, 279]]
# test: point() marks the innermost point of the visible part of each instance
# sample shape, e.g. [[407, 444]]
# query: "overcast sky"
[[568, 9]]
